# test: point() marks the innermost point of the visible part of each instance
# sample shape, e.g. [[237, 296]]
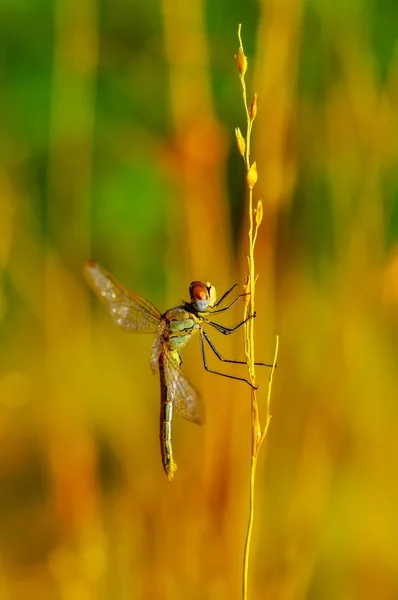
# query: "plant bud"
[[240, 141], [251, 177], [259, 212], [253, 108], [241, 61]]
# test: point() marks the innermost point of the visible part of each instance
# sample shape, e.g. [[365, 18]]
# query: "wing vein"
[[128, 310]]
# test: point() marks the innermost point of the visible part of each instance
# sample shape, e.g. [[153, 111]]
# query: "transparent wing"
[[130, 311], [185, 399]]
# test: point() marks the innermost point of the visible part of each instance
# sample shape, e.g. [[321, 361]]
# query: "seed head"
[[253, 107], [251, 177], [241, 61], [259, 212], [240, 140]]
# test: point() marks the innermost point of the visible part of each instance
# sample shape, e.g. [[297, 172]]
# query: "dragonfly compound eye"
[[200, 296]]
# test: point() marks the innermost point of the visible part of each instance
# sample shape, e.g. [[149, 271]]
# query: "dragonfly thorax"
[[203, 295], [180, 325]]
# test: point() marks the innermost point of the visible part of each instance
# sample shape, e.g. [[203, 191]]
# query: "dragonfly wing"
[[130, 311], [185, 399]]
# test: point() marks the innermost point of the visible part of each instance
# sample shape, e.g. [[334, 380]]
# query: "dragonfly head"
[[203, 295]]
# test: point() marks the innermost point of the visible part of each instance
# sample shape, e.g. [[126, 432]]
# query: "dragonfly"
[[173, 330]]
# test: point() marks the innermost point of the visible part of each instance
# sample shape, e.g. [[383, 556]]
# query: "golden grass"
[[258, 432]]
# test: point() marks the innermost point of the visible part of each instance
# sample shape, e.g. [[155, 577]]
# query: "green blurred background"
[[117, 143]]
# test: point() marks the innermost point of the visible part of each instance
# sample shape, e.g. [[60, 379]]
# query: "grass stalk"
[[258, 433]]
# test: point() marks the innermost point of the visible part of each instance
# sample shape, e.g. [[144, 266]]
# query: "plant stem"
[[257, 434], [249, 528]]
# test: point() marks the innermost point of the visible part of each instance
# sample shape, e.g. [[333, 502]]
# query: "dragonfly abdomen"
[[166, 415]]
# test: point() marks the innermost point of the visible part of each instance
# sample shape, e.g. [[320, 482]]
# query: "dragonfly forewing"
[[128, 310]]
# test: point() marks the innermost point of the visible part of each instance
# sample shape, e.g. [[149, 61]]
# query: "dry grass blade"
[[255, 217]]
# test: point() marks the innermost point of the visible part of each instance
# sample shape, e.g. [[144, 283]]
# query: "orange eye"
[[199, 295], [198, 291]]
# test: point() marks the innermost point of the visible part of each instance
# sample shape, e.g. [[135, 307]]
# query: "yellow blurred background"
[[117, 143]]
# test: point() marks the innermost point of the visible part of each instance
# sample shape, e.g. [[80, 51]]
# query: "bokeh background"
[[117, 143]]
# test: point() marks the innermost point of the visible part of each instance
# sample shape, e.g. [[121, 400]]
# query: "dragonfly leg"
[[236, 362], [220, 310], [228, 330], [225, 295], [218, 372]]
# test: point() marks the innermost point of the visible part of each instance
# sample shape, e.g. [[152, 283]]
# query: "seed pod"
[[241, 61], [253, 107], [251, 177], [240, 141], [259, 212]]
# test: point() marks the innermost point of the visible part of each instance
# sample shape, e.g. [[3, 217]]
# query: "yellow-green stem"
[[249, 528], [257, 435]]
